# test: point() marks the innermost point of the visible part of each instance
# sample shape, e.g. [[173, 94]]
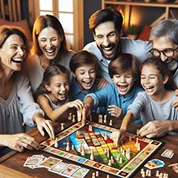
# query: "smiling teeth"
[[49, 51]]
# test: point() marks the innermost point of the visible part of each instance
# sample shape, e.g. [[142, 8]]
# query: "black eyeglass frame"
[[163, 51]]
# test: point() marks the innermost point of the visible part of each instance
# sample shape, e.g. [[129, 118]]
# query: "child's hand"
[[114, 111], [117, 136], [175, 103], [76, 104]]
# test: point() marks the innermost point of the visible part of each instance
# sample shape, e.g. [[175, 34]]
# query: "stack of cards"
[[154, 164], [56, 165], [167, 153], [33, 161]]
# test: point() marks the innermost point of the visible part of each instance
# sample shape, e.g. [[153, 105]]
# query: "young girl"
[[84, 67], [53, 93], [153, 104], [117, 96]]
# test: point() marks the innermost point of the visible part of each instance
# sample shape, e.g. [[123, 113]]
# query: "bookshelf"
[[168, 10]]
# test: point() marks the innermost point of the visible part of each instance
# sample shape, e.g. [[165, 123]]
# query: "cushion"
[[145, 34], [23, 24]]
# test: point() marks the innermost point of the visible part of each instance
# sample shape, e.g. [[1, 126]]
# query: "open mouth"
[[17, 60], [122, 88], [149, 88], [50, 51]]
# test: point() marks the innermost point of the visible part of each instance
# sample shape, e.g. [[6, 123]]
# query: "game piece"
[[105, 119], [100, 119], [149, 173], [143, 174], [142, 170], [128, 153], [157, 173], [105, 136], [97, 173], [112, 160], [107, 176], [72, 147], [165, 175], [138, 146], [83, 151], [73, 118], [92, 155], [70, 116], [90, 128], [80, 148], [120, 160], [93, 175], [118, 157], [56, 143], [161, 175], [62, 126], [68, 146], [110, 122], [109, 163]]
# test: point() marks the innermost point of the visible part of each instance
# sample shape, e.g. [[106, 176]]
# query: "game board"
[[91, 146]]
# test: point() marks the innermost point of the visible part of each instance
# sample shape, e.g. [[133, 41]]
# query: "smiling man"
[[106, 26]]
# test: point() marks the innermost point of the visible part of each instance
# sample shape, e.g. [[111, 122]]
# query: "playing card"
[[167, 153], [33, 161], [58, 167], [69, 170], [49, 162], [154, 164], [80, 173]]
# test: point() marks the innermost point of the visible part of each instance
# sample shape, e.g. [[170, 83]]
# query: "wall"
[[90, 6]]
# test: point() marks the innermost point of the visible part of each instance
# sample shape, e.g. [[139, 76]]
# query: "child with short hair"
[[53, 93], [153, 104], [117, 96], [84, 67]]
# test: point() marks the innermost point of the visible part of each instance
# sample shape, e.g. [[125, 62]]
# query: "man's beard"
[[115, 47], [172, 63]]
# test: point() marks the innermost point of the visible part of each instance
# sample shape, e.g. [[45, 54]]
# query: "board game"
[[90, 145]]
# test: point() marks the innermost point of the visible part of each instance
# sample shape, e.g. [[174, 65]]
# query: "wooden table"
[[12, 164]]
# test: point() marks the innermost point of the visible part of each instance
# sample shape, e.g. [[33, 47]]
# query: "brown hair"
[[105, 15], [42, 22], [162, 67], [51, 71], [81, 58], [5, 32], [123, 63]]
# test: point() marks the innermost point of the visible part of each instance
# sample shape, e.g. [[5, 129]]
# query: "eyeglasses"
[[168, 52]]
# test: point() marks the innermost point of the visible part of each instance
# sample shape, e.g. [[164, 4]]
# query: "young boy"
[[84, 67], [117, 96]]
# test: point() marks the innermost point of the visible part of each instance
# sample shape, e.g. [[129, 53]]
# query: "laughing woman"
[[49, 47], [17, 107]]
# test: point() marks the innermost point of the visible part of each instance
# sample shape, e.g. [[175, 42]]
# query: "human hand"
[[76, 104], [102, 82], [175, 103], [118, 136], [20, 141], [114, 111], [154, 129], [43, 124]]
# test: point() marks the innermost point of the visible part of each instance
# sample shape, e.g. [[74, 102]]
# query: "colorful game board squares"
[[81, 160], [89, 162]]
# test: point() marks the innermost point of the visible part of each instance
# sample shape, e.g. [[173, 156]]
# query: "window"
[[70, 14]]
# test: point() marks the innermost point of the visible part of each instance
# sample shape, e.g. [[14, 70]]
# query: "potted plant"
[[132, 31]]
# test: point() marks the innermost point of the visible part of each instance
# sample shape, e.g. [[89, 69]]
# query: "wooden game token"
[[90, 128], [112, 160], [68, 147], [93, 175], [73, 118], [92, 155], [100, 119], [97, 173], [107, 176], [109, 163], [161, 175], [72, 147], [62, 126], [105, 119], [70, 116], [157, 173], [83, 151], [110, 122], [56, 143], [120, 160]]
